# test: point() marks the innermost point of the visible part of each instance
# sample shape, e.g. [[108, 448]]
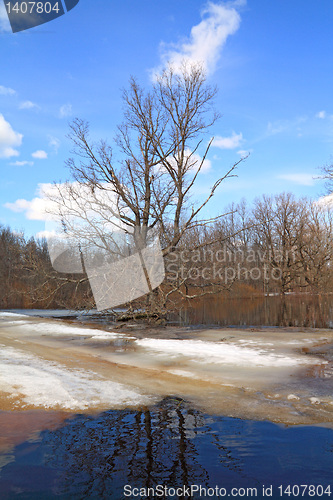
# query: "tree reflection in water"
[[142, 448], [303, 310], [170, 444]]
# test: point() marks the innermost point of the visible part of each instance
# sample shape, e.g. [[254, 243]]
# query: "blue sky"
[[272, 63]]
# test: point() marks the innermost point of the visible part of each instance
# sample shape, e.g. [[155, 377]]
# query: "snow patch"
[[55, 328], [5, 314], [183, 373], [221, 353], [44, 383], [314, 401], [293, 396]]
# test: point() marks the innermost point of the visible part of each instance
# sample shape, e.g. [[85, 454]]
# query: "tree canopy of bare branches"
[[157, 155], [144, 180]]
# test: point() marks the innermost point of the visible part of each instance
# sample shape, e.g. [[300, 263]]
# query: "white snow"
[[43, 383], [184, 373], [253, 364], [59, 328], [314, 401], [293, 397], [15, 322], [221, 353], [5, 315]]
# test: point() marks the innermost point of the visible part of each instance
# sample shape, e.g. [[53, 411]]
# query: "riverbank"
[[282, 374]]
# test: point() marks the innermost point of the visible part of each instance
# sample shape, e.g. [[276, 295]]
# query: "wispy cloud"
[[244, 152], [301, 178], [9, 139], [40, 155], [282, 126], [6, 90], [54, 143], [22, 163], [321, 114], [65, 111], [206, 40], [231, 142], [28, 105]]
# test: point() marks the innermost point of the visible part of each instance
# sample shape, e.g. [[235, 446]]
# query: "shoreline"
[[285, 376]]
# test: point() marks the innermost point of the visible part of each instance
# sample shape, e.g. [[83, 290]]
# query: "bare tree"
[[145, 180], [280, 227], [10, 256], [295, 238], [316, 249], [327, 174], [159, 164]]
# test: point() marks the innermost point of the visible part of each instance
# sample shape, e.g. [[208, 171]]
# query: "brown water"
[[314, 311]]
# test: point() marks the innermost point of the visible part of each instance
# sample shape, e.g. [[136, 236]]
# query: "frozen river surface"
[[282, 375]]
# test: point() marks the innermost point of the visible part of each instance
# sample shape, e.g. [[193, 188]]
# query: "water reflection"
[[314, 311], [171, 444]]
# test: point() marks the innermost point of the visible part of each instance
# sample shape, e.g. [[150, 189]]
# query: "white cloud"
[[231, 142], [36, 209], [28, 105], [8, 152], [4, 21], [22, 205], [22, 163], [6, 90], [326, 201], [54, 143], [321, 114], [9, 139], [302, 179], [40, 155], [65, 111], [206, 166], [243, 153], [193, 163], [45, 235], [52, 198], [206, 39]]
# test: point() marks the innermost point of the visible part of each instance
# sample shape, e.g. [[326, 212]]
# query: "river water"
[[171, 445], [302, 310], [86, 410]]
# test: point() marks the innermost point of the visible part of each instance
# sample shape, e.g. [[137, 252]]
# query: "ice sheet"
[[43, 383], [55, 327], [222, 353], [285, 376], [5, 315]]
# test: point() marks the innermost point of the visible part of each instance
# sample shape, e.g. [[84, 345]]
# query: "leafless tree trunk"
[[145, 181]]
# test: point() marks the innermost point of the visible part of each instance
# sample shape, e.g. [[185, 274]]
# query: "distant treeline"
[[27, 279], [277, 245]]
